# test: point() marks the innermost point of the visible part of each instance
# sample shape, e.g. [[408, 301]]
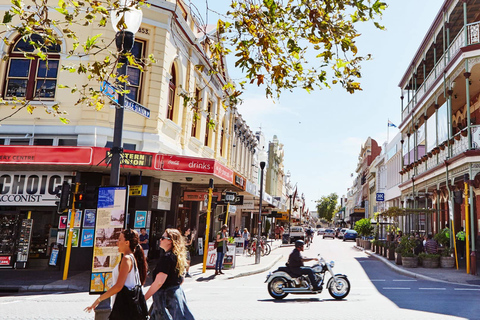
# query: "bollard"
[[473, 263]]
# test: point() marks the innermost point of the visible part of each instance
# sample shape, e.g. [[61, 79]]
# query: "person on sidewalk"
[[144, 241], [236, 233], [188, 245], [461, 242], [125, 273], [295, 264], [246, 237], [431, 246], [222, 238], [277, 232], [169, 302]]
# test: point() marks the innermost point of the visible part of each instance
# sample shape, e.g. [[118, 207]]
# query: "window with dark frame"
[[134, 73], [31, 78], [196, 112], [171, 94]]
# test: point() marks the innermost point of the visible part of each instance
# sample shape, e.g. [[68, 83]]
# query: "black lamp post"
[[262, 158], [126, 22], [290, 217]]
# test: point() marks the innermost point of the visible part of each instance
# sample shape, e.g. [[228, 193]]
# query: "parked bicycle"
[[265, 248]]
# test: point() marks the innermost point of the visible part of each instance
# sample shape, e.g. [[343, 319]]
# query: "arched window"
[[32, 78], [171, 94]]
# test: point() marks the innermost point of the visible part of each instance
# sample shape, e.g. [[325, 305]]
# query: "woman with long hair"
[[124, 273], [169, 301]]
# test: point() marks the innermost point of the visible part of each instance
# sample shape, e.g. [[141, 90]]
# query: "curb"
[[260, 270], [411, 274]]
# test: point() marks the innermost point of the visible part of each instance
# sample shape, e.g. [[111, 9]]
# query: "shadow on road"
[[301, 300], [406, 293]]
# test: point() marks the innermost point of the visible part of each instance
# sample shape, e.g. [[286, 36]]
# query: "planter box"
[[447, 262], [398, 258], [410, 262], [430, 262], [357, 240], [385, 251], [367, 244]]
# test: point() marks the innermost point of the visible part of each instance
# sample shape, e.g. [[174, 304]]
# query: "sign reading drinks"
[[31, 188], [111, 209]]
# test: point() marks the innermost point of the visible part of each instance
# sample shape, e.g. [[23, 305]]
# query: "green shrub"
[[424, 255], [364, 227], [406, 246], [442, 238]]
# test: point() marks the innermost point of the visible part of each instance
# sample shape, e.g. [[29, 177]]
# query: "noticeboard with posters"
[[110, 221]]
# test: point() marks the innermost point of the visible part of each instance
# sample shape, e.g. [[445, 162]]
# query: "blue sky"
[[323, 131]]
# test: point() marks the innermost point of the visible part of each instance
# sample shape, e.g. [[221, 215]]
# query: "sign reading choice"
[[196, 165]]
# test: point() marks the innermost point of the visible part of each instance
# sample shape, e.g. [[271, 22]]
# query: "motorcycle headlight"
[[332, 264]]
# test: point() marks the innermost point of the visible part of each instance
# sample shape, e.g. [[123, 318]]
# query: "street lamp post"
[[126, 21], [290, 217], [262, 159]]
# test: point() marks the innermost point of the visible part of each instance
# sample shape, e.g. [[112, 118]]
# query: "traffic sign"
[[111, 92], [107, 89], [380, 197]]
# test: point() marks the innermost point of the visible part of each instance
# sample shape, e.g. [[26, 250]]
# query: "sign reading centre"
[[31, 188]]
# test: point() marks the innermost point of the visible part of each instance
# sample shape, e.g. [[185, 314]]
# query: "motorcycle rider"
[[296, 267]]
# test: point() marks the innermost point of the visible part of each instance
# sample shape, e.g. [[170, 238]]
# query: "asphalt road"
[[377, 293]]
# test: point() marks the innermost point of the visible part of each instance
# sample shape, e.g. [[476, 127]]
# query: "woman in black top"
[[169, 301]]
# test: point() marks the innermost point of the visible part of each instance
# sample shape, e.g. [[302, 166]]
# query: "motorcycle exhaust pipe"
[[297, 290]]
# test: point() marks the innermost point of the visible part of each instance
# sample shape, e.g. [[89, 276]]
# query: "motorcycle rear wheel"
[[275, 288], [339, 290]]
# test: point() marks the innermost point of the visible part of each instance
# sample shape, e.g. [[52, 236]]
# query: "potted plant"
[[409, 259], [391, 251], [364, 229], [429, 260], [446, 259]]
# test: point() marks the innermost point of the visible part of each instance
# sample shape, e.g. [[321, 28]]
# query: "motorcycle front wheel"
[[275, 288], [340, 289]]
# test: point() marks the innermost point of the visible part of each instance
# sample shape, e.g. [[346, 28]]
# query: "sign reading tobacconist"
[[31, 188]]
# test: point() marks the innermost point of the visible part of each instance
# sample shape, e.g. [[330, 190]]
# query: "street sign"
[[109, 90], [230, 197], [136, 107], [238, 200], [380, 197]]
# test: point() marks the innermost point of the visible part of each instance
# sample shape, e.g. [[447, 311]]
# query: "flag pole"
[[388, 130]]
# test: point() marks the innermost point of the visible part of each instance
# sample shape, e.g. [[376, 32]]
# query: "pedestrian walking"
[[236, 233], [221, 240], [188, 245], [246, 237], [461, 242], [132, 266], [169, 302], [144, 241]]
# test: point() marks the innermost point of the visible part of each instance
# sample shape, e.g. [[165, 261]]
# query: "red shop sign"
[[45, 155], [5, 260], [188, 164], [223, 172]]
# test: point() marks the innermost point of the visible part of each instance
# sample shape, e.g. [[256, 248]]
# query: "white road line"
[[15, 301], [395, 288], [377, 280], [432, 288], [466, 289], [405, 280]]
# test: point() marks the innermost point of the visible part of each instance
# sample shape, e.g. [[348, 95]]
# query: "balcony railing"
[[473, 37], [458, 145]]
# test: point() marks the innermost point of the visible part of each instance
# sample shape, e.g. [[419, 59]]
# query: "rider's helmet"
[[299, 243]]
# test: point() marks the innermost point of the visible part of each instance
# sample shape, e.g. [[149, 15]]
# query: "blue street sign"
[[380, 196], [109, 90], [136, 107]]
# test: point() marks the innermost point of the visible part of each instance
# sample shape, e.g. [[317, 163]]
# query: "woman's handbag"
[[130, 303]]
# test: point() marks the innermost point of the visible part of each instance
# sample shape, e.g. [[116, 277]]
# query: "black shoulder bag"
[[130, 304]]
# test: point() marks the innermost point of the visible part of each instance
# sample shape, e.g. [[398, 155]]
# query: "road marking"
[[466, 289], [432, 288], [395, 288], [405, 280], [378, 280], [15, 301]]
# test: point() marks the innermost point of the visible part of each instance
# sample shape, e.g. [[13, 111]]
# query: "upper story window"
[[207, 121], [134, 73], [171, 94], [195, 115], [31, 78]]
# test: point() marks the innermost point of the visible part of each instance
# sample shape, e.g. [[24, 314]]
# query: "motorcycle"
[[281, 282]]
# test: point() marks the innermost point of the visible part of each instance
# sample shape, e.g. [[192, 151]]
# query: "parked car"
[[350, 235], [341, 232], [329, 233], [321, 231], [297, 233]]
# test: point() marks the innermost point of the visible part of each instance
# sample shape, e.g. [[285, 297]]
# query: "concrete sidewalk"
[[446, 275], [50, 278]]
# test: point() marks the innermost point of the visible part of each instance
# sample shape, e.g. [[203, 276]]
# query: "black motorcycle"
[[281, 282]]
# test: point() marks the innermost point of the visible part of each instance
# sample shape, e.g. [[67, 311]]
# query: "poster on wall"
[[77, 221], [87, 238], [89, 218], [109, 223], [62, 222], [75, 237], [140, 219], [61, 237]]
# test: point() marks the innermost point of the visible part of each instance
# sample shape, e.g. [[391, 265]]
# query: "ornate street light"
[[262, 158], [126, 21]]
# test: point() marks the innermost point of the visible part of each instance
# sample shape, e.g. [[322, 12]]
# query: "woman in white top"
[[124, 272]]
